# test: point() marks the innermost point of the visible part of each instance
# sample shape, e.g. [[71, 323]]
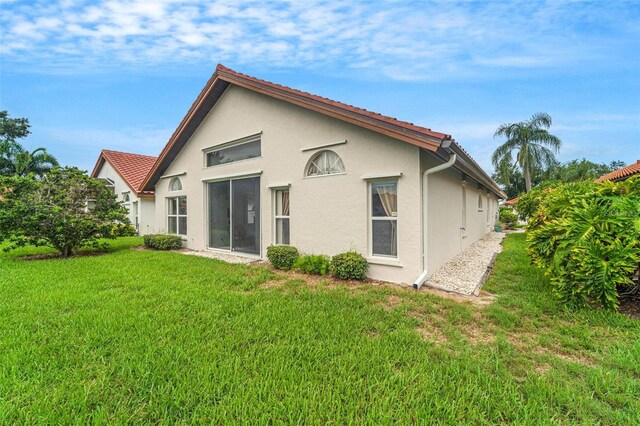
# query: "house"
[[255, 163], [124, 172], [621, 174]]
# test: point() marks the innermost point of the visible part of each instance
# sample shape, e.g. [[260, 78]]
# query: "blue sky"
[[121, 74]]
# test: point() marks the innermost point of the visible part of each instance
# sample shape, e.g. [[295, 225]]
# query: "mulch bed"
[[59, 256], [630, 307]]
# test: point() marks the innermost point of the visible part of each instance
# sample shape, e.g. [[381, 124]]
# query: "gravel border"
[[230, 258], [465, 273]]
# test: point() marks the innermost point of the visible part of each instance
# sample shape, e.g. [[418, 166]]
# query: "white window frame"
[[371, 219], [480, 202], [277, 216], [172, 181], [177, 215], [318, 154], [248, 139], [126, 197]]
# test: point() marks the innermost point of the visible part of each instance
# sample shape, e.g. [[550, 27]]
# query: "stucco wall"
[[329, 214], [445, 219], [146, 207]]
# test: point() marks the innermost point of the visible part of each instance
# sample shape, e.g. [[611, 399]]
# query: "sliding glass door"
[[234, 215]]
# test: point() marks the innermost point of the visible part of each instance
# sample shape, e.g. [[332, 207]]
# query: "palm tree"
[[15, 160], [528, 138]]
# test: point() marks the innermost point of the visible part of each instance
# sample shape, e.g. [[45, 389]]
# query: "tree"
[[66, 209], [579, 170], [14, 159], [528, 138]]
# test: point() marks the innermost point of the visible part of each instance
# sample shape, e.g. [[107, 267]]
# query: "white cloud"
[[404, 40]]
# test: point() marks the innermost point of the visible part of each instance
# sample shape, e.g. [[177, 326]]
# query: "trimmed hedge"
[[282, 257], [350, 265], [317, 264], [163, 242]]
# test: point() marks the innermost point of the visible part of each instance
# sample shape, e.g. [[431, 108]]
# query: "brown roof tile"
[[133, 168], [622, 173], [361, 111]]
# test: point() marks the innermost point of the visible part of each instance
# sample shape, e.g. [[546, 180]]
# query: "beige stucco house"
[[124, 172], [254, 163]]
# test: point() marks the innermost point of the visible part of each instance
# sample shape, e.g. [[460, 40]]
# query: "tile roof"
[[622, 173], [133, 168], [404, 131], [350, 108], [511, 202]]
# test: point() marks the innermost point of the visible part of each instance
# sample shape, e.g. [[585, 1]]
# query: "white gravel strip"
[[463, 274], [230, 258]]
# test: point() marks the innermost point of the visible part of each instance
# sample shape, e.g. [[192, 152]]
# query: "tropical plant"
[[318, 264], [530, 139], [577, 170], [66, 210], [508, 218], [586, 236], [16, 160]]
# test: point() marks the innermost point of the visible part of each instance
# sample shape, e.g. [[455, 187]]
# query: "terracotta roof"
[[404, 131], [360, 111], [133, 168], [511, 201], [622, 173]]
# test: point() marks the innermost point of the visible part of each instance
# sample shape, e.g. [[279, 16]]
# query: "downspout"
[[425, 211]]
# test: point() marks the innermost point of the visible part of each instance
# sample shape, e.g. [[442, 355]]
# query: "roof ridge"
[[129, 153], [400, 122]]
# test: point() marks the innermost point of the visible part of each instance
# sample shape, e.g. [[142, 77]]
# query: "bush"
[[123, 230], [163, 242], [508, 218], [313, 264], [586, 236], [54, 211], [349, 266], [282, 257]]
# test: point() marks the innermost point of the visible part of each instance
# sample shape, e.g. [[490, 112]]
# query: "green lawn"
[[154, 337]]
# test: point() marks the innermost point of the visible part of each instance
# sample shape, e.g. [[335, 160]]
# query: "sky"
[[121, 74]]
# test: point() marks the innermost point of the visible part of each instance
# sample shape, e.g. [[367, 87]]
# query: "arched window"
[[125, 197], [479, 202], [325, 163], [175, 184]]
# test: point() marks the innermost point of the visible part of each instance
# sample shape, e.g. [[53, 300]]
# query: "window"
[[241, 151], [125, 197], [282, 216], [177, 215], [480, 202], [384, 218], [175, 184], [325, 163]]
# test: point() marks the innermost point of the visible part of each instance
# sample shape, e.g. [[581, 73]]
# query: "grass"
[[156, 337]]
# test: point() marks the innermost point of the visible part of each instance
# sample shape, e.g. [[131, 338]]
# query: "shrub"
[[66, 209], [282, 257], [123, 230], [349, 266], [163, 242], [586, 236], [313, 264], [508, 217]]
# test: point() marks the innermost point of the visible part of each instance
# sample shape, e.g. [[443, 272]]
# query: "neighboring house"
[[621, 174], [255, 163], [123, 173]]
